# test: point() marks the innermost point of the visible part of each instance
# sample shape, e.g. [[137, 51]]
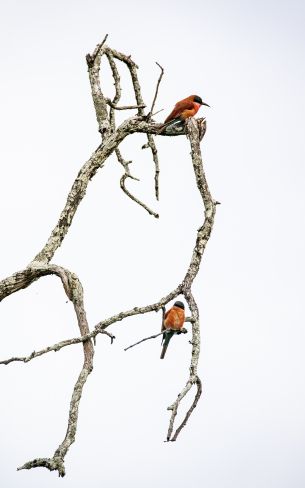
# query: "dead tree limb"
[[111, 138]]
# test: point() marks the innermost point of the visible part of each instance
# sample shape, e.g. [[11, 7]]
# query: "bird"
[[173, 319], [188, 107]]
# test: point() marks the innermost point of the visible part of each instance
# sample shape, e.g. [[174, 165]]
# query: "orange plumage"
[[173, 319], [188, 107]]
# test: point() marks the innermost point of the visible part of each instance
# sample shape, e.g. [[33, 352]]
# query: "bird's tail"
[[166, 338], [176, 123]]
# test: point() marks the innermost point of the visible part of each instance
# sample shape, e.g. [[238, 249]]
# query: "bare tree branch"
[[151, 142], [189, 412], [156, 92], [140, 105], [123, 107], [135, 199], [56, 347], [74, 292], [40, 266], [100, 328], [118, 91], [152, 145], [134, 76], [86, 173], [203, 235], [174, 331], [143, 340], [123, 179], [94, 64]]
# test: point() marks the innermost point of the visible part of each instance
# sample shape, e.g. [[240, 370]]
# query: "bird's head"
[[179, 305], [197, 99]]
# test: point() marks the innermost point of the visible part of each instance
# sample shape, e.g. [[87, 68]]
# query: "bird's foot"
[[182, 331]]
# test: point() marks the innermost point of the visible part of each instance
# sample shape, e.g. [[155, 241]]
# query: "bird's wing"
[[181, 316], [179, 107], [165, 315]]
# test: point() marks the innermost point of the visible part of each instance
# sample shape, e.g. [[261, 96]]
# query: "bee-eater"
[[186, 108], [173, 319]]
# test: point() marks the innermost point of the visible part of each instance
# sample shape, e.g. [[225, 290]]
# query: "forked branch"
[[111, 138]]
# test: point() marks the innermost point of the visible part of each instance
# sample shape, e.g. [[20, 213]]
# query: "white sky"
[[246, 59]]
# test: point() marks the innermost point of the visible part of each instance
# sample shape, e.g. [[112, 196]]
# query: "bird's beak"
[[205, 104]]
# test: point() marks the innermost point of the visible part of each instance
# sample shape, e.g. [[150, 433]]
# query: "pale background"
[[246, 59]]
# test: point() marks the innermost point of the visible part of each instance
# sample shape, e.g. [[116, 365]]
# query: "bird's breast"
[[175, 319]]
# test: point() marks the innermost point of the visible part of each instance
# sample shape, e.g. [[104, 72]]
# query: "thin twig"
[[111, 54], [143, 340], [56, 347], [127, 174], [123, 107], [117, 85], [135, 199], [152, 145], [155, 113], [174, 331], [189, 412], [91, 57], [131, 65], [156, 92], [151, 142]]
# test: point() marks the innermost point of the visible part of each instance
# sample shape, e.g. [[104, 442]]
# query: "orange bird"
[[173, 319], [188, 107]]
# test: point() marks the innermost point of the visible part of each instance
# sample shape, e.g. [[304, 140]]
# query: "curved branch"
[[203, 235], [131, 65], [135, 199], [174, 408], [112, 136], [124, 177], [74, 291]]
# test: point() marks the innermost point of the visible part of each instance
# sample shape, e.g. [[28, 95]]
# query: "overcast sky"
[[246, 59]]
